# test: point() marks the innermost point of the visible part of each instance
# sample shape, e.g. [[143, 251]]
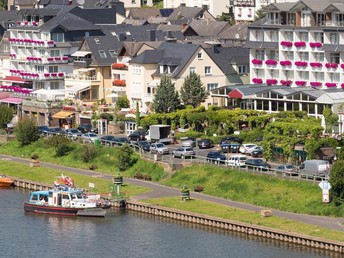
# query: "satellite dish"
[[80, 2]]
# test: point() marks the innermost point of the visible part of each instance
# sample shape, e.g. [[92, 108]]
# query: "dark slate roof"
[[226, 57], [166, 12], [96, 15], [144, 13], [24, 2], [177, 54], [105, 43], [69, 22], [9, 16], [235, 32], [131, 48], [208, 28], [185, 13]]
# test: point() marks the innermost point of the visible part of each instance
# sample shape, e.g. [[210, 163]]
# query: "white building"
[[299, 44], [215, 7]]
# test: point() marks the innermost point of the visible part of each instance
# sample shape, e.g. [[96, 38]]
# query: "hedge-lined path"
[[160, 191]]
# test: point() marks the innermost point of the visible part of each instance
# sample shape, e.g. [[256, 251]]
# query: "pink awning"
[[12, 100]]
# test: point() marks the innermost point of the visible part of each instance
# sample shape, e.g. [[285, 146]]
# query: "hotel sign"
[[244, 3]]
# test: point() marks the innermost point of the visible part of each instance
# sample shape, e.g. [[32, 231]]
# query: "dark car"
[[257, 153], [257, 163], [137, 136], [205, 144], [56, 131], [109, 140], [143, 145], [85, 128], [43, 129], [216, 157], [232, 139]]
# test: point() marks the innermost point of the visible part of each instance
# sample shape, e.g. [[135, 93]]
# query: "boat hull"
[[43, 209], [6, 183]]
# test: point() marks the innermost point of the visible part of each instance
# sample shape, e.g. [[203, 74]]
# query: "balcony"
[[82, 62], [119, 83], [81, 77], [119, 66], [42, 104]]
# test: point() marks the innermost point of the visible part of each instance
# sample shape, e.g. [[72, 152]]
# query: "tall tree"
[[261, 13], [26, 131], [337, 182], [6, 115], [166, 98], [192, 92]]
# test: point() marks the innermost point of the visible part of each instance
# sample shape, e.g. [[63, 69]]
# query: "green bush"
[[124, 158], [63, 149], [89, 153], [26, 132]]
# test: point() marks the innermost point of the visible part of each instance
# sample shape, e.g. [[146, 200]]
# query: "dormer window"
[[96, 40], [102, 54], [339, 19], [57, 37], [112, 53], [306, 16], [273, 18]]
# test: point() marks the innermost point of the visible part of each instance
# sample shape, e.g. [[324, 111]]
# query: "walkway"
[[160, 191]]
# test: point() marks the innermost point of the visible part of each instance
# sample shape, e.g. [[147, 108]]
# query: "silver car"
[[190, 142], [90, 137], [183, 152], [159, 148]]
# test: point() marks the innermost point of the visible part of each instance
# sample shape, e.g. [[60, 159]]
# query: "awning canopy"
[[81, 53], [14, 79], [77, 88], [85, 69], [112, 95], [62, 114], [12, 100], [235, 94]]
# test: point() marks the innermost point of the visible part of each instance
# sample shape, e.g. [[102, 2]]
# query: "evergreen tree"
[[192, 92], [137, 115], [337, 182], [261, 13], [26, 132], [6, 115], [166, 98], [122, 102]]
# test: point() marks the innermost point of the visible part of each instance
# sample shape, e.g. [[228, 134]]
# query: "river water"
[[125, 234]]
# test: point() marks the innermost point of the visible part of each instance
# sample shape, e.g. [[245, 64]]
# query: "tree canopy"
[[192, 92], [166, 98], [26, 131], [337, 181], [6, 115]]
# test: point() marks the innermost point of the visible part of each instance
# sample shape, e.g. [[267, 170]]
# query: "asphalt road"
[[160, 191]]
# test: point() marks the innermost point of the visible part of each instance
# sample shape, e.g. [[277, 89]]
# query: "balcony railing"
[[42, 104], [119, 66], [81, 77]]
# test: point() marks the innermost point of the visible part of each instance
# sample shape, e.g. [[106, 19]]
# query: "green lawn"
[[221, 211]]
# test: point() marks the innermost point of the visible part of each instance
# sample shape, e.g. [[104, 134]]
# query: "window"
[[289, 55], [273, 18], [259, 35], [54, 85], [339, 19], [41, 52], [291, 20], [334, 77], [334, 58], [333, 38], [319, 76], [207, 70], [39, 85], [319, 57], [289, 36], [192, 69], [212, 86], [303, 36], [57, 37], [319, 37], [272, 55], [321, 19], [303, 75], [55, 52], [199, 56], [306, 17], [274, 36], [242, 69], [304, 56], [102, 54], [39, 68], [260, 54], [136, 69], [112, 53], [53, 69]]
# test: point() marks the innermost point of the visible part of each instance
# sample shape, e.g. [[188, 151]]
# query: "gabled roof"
[[174, 54], [186, 13], [105, 43], [24, 2], [132, 48], [225, 57], [9, 16], [207, 28], [144, 13]]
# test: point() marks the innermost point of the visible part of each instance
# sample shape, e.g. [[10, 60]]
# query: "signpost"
[[325, 186]]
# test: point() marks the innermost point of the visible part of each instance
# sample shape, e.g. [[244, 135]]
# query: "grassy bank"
[[48, 175], [225, 212], [262, 190]]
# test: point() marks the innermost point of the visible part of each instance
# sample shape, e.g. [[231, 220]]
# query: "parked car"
[[183, 152], [246, 146], [73, 133], [252, 149], [257, 163], [143, 145], [237, 160], [136, 136], [109, 140], [159, 148], [43, 129], [189, 142], [257, 153], [90, 137], [85, 128], [288, 169], [56, 131], [205, 144], [216, 157], [315, 168], [123, 140]]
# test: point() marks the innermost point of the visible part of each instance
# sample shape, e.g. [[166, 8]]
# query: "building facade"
[[299, 45]]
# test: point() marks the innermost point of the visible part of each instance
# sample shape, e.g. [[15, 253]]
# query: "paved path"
[[160, 191]]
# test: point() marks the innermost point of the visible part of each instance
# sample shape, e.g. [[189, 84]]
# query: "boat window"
[[34, 197], [65, 197]]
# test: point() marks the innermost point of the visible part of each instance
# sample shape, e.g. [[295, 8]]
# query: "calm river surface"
[[125, 234]]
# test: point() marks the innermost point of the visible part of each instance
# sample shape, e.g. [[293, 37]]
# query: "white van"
[[237, 160]]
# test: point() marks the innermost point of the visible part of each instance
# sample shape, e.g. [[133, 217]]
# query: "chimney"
[[184, 26], [169, 37], [121, 36], [216, 49]]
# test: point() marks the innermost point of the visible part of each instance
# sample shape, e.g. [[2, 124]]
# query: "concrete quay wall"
[[246, 228]]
